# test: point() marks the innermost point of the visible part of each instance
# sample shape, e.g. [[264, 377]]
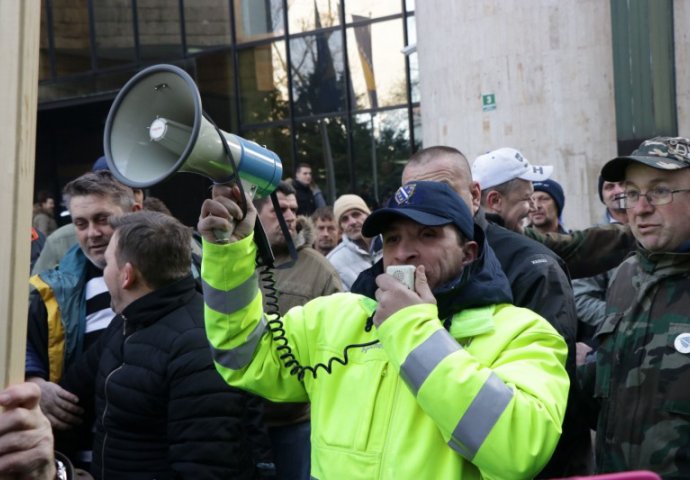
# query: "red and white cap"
[[505, 164]]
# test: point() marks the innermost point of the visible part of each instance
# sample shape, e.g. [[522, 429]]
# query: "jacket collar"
[[303, 238], [472, 322], [480, 218], [663, 264], [480, 284], [350, 245], [305, 232], [155, 305]]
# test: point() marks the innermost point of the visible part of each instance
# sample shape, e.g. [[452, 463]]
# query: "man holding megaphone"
[[447, 380]]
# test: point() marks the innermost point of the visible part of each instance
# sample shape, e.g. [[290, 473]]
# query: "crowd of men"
[[152, 354]]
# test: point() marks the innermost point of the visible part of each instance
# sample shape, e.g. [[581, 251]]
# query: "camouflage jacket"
[[642, 373]]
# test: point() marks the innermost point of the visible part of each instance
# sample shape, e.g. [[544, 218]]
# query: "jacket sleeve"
[[319, 201], [591, 251], [42, 223], [257, 433], [590, 298], [346, 277], [504, 417], [49, 257], [332, 283], [242, 343], [345, 262], [589, 406], [36, 364]]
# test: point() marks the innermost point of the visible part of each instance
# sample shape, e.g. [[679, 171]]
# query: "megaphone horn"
[[156, 127]]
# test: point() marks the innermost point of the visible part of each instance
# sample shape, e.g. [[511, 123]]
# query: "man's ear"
[[494, 201], [129, 276], [471, 249], [476, 193]]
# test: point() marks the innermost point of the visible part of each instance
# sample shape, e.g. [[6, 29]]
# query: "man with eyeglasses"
[[641, 379]]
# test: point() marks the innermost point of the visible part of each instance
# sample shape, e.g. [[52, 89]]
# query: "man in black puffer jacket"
[[162, 410]]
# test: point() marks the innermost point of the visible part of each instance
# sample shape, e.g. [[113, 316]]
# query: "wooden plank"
[[19, 37]]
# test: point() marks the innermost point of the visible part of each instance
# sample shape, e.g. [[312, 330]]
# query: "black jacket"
[[538, 277], [162, 410], [306, 203]]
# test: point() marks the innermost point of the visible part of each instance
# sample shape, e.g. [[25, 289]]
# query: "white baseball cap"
[[505, 164]]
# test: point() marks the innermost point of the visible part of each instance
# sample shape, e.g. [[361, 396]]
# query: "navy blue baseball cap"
[[433, 204], [100, 164]]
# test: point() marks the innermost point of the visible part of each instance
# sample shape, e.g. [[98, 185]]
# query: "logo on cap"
[[404, 193], [677, 148], [667, 165]]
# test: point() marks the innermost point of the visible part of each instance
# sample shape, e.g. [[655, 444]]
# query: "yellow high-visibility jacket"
[[483, 400]]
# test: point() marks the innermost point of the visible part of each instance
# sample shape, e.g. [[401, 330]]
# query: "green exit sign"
[[488, 102]]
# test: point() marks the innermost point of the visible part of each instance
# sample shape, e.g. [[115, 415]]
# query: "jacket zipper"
[[107, 400]]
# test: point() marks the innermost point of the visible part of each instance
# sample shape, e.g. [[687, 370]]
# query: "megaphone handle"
[[263, 246]]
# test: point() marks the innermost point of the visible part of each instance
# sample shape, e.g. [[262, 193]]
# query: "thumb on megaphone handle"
[[222, 236]]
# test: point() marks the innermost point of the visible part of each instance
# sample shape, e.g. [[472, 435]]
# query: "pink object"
[[636, 475]]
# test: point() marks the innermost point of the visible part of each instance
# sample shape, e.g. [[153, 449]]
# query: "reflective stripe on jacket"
[[485, 399]]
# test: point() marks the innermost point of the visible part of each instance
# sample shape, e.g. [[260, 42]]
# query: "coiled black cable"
[[276, 327], [272, 310], [275, 324], [328, 368]]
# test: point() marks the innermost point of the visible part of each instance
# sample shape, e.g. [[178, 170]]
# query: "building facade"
[[569, 83], [316, 81]]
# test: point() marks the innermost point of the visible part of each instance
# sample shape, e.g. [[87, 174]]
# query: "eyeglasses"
[[656, 196]]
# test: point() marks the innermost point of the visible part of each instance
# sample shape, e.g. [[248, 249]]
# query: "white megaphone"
[[156, 127]]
